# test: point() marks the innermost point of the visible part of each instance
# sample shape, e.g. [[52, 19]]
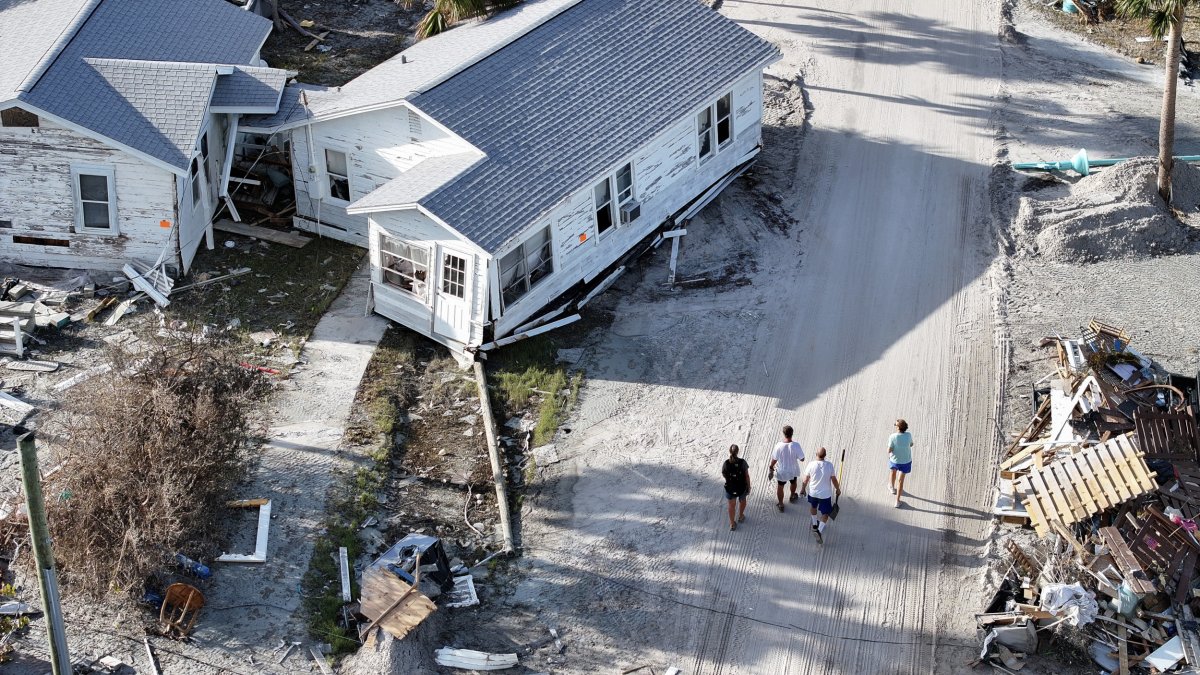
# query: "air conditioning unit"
[[630, 211]]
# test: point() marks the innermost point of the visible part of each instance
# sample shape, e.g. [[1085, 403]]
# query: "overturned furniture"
[[399, 587]]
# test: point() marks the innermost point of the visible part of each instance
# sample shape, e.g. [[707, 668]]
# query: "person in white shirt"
[[821, 484], [785, 465]]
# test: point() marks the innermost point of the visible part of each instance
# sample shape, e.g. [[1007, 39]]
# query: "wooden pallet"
[[1076, 487], [1168, 435], [1165, 549]]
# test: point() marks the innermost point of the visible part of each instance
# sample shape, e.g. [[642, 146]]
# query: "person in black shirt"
[[737, 485]]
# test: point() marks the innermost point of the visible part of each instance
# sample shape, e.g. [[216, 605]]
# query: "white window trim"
[[614, 196], [326, 193], [427, 299], [525, 262], [716, 147], [444, 280], [108, 172]]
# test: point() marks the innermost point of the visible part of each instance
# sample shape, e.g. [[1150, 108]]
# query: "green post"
[[39, 532]]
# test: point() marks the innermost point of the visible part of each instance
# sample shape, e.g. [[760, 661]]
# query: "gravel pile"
[[1114, 213]]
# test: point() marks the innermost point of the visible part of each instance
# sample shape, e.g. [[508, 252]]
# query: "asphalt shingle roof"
[[250, 87], [574, 96], [85, 86], [417, 183], [29, 34]]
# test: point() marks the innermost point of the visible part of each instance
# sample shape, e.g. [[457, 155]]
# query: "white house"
[[116, 120], [501, 169]]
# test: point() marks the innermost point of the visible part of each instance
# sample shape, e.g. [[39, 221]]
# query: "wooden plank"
[[1183, 585], [1126, 562], [1097, 468], [1062, 481], [33, 366], [1120, 475], [1123, 650], [266, 234], [1037, 517], [320, 659], [15, 404], [1081, 487], [1057, 505], [1137, 462], [24, 310]]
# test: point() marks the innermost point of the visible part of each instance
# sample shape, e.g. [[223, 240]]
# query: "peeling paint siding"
[[381, 144], [36, 194], [667, 176], [414, 227]]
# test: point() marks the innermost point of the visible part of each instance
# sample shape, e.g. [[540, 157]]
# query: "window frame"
[[384, 270], [326, 175], [194, 170], [526, 275], [447, 282], [613, 218], [109, 174], [712, 132]]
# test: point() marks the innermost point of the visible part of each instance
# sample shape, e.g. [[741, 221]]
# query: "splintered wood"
[[1075, 487]]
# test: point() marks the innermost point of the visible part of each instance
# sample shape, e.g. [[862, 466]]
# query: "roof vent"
[[403, 59]]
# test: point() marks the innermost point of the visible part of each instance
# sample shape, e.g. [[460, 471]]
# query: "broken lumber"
[[260, 539], [33, 366], [266, 234], [16, 404], [469, 659]]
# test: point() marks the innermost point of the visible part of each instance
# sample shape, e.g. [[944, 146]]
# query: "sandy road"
[[875, 305]]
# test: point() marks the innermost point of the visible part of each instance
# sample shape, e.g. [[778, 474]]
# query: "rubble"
[[1107, 473]]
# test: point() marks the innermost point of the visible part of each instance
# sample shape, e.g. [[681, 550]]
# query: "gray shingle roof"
[[29, 33], [432, 60], [175, 31], [250, 89], [415, 184], [573, 97], [292, 110]]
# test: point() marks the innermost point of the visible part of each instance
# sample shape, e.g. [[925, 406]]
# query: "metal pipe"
[[1081, 165]]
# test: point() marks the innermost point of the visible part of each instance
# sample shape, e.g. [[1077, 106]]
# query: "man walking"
[[821, 484], [737, 484], [899, 458], [785, 465]]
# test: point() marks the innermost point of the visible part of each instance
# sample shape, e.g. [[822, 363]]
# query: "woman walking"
[[899, 458], [736, 472]]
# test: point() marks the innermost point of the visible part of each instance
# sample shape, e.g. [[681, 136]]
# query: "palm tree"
[[1166, 18], [446, 13]]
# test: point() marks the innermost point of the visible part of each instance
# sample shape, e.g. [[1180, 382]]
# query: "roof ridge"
[[54, 50], [480, 57]]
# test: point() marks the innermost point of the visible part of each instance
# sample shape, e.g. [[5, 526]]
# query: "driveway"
[[858, 259]]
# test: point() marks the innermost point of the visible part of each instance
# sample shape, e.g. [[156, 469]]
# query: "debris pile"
[[1115, 213], [1106, 473]]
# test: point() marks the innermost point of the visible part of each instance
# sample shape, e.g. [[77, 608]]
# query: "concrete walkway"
[[251, 607]]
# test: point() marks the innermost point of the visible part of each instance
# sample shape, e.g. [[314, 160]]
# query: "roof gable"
[[34, 33], [573, 97], [134, 70]]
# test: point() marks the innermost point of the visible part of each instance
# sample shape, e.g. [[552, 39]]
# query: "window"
[[454, 275], [195, 174], [337, 172], [604, 207], [95, 207], [714, 127], [17, 117], [405, 266], [204, 146], [523, 267], [704, 132], [724, 120], [624, 184]]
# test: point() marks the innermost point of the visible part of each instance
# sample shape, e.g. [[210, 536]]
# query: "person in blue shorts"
[[736, 472], [821, 484], [899, 458]]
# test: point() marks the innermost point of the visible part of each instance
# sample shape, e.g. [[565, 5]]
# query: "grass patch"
[[528, 373], [287, 290], [379, 405]]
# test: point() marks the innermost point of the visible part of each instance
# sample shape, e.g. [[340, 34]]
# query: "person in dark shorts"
[[899, 458], [821, 485], [737, 485]]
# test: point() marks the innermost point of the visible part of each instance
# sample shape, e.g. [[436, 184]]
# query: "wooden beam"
[[266, 234], [530, 333]]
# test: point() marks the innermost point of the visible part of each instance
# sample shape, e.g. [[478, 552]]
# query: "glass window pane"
[[723, 105], [93, 188], [602, 193], [724, 131], [96, 215], [704, 120], [625, 183], [335, 162], [339, 188]]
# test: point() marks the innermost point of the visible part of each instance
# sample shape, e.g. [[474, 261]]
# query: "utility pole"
[[39, 531]]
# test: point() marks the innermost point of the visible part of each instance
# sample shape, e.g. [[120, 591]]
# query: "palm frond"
[[1159, 13]]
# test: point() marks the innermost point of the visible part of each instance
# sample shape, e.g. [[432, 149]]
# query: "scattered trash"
[[260, 540], [180, 609], [1106, 472], [468, 659]]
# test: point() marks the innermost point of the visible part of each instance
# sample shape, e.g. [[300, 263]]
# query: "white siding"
[[380, 146], [37, 197], [667, 176], [414, 227]]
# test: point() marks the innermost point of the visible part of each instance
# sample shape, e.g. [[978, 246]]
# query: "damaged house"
[[116, 120], [502, 170]]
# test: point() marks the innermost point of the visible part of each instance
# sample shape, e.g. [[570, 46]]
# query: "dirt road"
[[873, 304]]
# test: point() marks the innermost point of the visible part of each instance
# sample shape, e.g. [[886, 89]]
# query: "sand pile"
[[1114, 213]]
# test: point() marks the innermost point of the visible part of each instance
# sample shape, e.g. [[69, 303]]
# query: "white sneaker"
[[892, 488]]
